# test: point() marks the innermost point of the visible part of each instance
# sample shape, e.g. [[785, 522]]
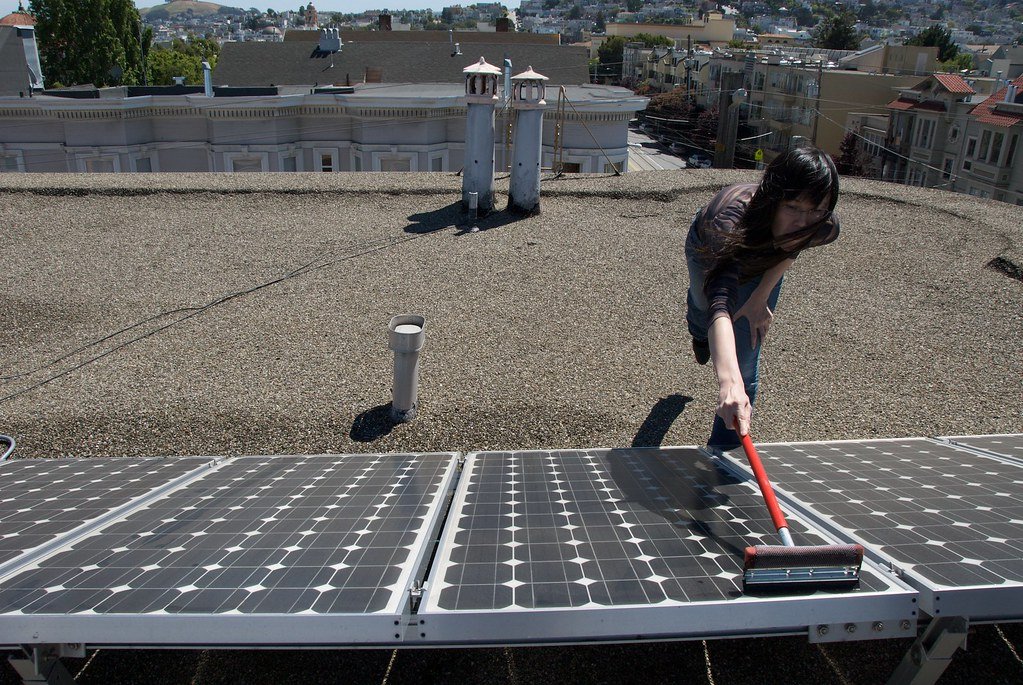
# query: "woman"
[[738, 249]]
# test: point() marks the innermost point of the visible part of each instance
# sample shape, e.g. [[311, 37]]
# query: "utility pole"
[[817, 107], [731, 96], [688, 63]]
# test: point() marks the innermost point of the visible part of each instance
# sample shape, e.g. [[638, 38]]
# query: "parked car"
[[699, 161]]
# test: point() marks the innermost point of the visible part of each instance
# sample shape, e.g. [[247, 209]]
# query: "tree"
[[671, 105], [610, 53], [936, 36], [600, 23], [962, 62], [850, 162], [837, 33], [634, 5], [575, 13], [89, 41], [803, 16], [183, 59], [650, 40]]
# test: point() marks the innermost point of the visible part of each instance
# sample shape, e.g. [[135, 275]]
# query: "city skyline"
[[346, 6]]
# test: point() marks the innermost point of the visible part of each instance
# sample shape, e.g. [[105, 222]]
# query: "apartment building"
[[786, 91], [942, 133], [369, 127], [714, 29]]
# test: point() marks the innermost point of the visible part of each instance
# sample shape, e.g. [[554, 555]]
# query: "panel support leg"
[[932, 652], [41, 664]]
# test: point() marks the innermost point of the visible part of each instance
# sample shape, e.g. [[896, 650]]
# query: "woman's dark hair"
[[798, 173], [801, 172]]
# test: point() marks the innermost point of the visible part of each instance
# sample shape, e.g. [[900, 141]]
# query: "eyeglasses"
[[814, 215]]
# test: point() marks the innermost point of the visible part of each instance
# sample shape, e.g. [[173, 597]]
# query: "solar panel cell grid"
[[950, 516], [41, 499], [599, 528], [275, 535]]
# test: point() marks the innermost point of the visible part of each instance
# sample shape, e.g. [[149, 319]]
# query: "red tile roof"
[[908, 104], [985, 111], [18, 19], [955, 84]]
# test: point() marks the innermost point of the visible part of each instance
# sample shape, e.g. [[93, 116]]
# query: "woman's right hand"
[[734, 407]]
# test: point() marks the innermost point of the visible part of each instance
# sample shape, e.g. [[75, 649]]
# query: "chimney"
[[330, 40], [405, 337], [529, 105], [504, 25], [507, 80], [385, 22], [1010, 94], [207, 79], [478, 166]]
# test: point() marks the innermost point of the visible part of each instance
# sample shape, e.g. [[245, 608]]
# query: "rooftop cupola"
[[528, 90], [481, 82]]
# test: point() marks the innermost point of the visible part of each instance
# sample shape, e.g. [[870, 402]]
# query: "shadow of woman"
[[659, 420]]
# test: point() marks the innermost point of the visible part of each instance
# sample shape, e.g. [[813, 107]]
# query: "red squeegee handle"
[[765, 485]]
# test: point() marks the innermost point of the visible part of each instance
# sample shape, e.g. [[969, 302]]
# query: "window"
[[144, 165], [437, 164], [946, 171], [11, 163], [1012, 150], [326, 162], [99, 165], [289, 163], [570, 167], [925, 133], [996, 148], [357, 162], [395, 164], [985, 145], [611, 168], [246, 165], [971, 147], [245, 162]]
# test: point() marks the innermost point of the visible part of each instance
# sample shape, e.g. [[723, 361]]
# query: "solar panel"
[[42, 499], [584, 544], [330, 543], [1002, 445], [950, 520]]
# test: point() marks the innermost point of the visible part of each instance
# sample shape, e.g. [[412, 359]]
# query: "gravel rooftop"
[[246, 314]]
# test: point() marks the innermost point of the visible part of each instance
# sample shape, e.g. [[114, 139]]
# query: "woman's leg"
[[723, 437]]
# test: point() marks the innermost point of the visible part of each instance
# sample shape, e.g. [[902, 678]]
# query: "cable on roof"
[[10, 441]]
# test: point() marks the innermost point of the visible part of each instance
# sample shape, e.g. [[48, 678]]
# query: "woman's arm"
[[733, 403], [755, 308]]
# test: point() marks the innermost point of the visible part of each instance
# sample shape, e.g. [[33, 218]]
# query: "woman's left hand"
[[760, 318]]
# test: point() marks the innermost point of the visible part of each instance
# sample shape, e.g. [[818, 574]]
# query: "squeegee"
[[789, 566]]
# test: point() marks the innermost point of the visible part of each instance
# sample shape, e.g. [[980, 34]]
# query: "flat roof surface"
[[215, 314]]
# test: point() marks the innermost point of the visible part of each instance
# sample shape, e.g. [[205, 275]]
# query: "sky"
[[8, 6]]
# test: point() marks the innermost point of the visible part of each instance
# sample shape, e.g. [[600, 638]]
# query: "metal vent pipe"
[[405, 337]]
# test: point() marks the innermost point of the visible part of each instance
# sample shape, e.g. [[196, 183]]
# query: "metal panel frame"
[[954, 440], [895, 610], [979, 603], [238, 629]]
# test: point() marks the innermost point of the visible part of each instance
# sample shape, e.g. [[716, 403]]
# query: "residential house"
[[987, 163], [926, 130]]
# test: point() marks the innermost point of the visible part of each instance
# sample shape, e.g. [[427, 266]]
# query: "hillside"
[[175, 7]]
